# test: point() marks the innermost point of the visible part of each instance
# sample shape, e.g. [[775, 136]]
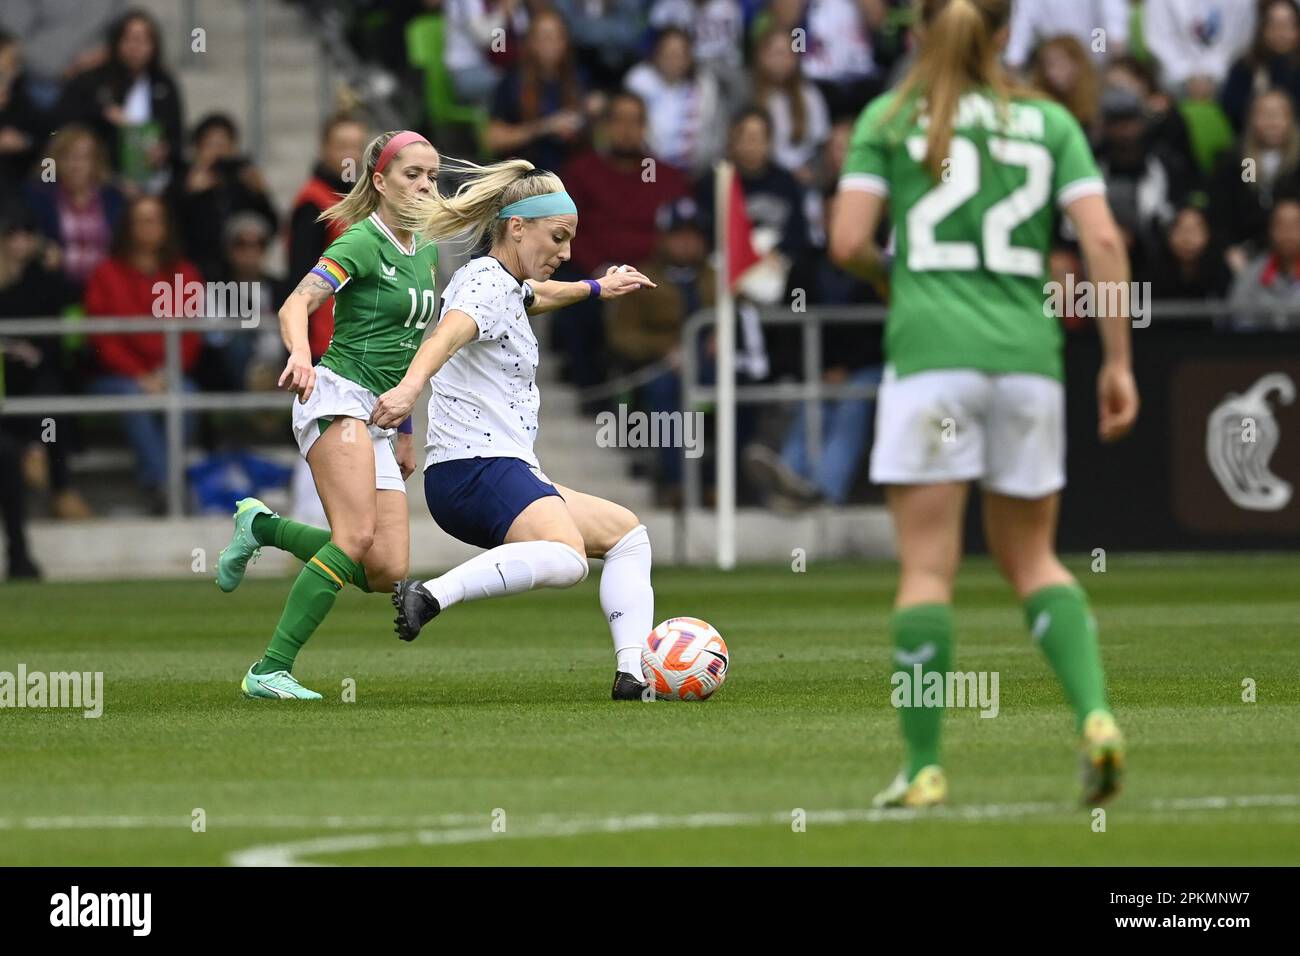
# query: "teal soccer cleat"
[[234, 557], [278, 685]]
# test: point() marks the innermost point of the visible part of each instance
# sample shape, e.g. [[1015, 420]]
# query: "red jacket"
[[118, 289], [616, 209], [319, 196]]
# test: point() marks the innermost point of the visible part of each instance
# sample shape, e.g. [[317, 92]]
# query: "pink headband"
[[396, 145]]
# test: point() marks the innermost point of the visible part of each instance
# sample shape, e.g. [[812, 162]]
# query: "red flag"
[[740, 247]]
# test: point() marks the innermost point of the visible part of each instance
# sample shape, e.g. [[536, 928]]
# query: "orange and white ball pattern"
[[685, 659]]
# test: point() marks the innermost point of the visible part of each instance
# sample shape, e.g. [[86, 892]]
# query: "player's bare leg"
[[1021, 533], [342, 461], [542, 548]]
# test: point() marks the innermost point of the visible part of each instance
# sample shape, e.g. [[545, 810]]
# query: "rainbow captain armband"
[[407, 427], [332, 273]]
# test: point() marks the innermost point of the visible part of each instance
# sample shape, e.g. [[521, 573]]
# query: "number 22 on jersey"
[[925, 252]]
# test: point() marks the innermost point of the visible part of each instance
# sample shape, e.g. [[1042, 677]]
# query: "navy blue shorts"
[[477, 499]]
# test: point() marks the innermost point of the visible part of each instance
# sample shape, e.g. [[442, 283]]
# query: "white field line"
[[292, 853], [443, 829]]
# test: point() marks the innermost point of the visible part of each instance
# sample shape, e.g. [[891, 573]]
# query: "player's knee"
[[356, 540], [622, 529], [571, 567], [383, 575], [628, 540]]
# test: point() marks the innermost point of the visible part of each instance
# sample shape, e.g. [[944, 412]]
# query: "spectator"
[[606, 36], [827, 284], [475, 31], [1244, 187], [13, 507], [1195, 41], [21, 126], [1085, 21], [1144, 184], [131, 102], [343, 139], [646, 328], [619, 194], [774, 200], [218, 183], [685, 105], [224, 363], [839, 57], [1062, 68], [145, 251], [1166, 128], [31, 286], [80, 209], [61, 38], [716, 28], [1272, 280], [1272, 62], [1190, 265], [540, 109], [850, 357], [800, 119]]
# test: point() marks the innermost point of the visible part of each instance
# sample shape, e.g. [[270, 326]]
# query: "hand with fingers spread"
[[299, 375]]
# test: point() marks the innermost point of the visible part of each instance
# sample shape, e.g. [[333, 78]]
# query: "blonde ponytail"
[[957, 54], [471, 212]]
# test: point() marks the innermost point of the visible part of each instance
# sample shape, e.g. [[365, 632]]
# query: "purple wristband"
[[595, 288], [407, 427]]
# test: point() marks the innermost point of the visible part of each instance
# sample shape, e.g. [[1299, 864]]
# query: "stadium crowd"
[[107, 186]]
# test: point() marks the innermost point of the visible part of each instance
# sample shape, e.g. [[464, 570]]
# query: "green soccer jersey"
[[970, 250], [383, 299]]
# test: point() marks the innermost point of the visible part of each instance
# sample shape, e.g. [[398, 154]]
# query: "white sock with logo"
[[627, 598], [510, 569]]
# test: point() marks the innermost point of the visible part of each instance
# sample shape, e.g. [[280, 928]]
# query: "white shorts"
[[333, 396], [1008, 430]]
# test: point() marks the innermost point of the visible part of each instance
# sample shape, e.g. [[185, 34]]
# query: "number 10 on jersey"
[[426, 302]]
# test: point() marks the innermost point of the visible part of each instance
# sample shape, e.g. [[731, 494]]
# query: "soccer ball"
[[685, 659]]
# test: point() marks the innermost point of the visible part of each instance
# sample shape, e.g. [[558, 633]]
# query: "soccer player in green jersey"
[[970, 168], [382, 280]]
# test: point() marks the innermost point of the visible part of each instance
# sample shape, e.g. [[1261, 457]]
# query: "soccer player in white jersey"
[[482, 480]]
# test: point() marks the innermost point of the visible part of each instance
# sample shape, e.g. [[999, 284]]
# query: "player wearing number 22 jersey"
[[974, 173], [971, 250]]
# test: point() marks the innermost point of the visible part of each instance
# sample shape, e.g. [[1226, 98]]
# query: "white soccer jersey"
[[485, 398]]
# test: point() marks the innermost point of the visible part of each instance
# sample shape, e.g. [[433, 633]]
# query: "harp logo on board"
[[1240, 437]]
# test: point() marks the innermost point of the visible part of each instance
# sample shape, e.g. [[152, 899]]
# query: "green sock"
[[310, 599], [1061, 621], [300, 540], [922, 635]]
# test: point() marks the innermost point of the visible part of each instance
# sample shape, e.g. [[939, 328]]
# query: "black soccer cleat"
[[415, 607], [627, 687]]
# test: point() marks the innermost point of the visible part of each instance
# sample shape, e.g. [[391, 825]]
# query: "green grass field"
[[498, 717]]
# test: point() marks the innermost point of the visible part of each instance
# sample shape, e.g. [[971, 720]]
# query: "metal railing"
[[812, 391], [174, 402]]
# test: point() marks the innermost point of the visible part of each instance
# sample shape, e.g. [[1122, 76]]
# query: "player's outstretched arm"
[[1106, 258], [299, 376], [454, 331], [618, 281]]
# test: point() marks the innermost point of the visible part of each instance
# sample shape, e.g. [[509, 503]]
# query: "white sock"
[[627, 598], [510, 569]]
